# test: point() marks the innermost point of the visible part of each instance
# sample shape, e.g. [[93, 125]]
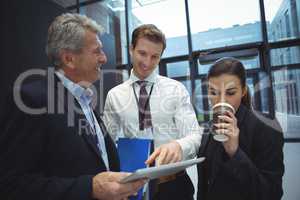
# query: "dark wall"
[[23, 40], [108, 76], [25, 25]]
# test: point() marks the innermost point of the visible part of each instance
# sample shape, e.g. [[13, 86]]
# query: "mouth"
[[144, 68], [98, 68]]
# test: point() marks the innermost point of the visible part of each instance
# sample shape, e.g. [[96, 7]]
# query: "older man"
[[53, 145]]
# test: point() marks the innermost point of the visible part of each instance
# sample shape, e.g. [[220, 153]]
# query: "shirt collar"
[[152, 78], [76, 90]]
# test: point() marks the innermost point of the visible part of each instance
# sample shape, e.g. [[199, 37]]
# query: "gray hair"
[[67, 32]]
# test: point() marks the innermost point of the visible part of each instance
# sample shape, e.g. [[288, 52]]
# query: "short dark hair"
[[231, 66], [149, 31]]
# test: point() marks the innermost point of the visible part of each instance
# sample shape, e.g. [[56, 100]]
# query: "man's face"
[[145, 57], [88, 61]]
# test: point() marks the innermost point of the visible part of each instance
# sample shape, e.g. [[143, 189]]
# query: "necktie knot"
[[141, 83]]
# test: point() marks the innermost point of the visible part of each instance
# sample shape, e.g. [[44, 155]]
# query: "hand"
[[166, 153], [106, 185], [229, 128]]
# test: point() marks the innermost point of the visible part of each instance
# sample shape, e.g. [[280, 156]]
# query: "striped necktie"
[[144, 107]]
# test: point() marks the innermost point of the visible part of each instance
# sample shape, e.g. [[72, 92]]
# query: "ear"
[[67, 59], [245, 91]]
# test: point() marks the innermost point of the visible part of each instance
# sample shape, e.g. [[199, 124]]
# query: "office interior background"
[[263, 34]]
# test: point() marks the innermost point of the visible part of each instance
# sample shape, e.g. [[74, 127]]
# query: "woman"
[[249, 165]]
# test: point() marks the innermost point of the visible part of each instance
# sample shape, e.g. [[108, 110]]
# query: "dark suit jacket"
[[254, 172], [49, 155]]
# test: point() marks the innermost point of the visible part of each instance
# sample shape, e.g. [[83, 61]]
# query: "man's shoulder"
[[121, 87], [26, 96], [166, 80], [34, 92], [263, 122]]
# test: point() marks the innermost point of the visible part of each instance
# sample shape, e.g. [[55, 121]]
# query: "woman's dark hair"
[[231, 66]]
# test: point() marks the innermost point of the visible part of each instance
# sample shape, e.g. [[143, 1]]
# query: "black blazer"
[[48, 155], [254, 172]]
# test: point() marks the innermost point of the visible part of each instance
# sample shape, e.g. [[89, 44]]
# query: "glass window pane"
[[167, 16], [258, 84], [203, 67], [178, 69], [283, 19], [285, 56], [263, 87], [188, 85], [125, 75], [291, 175], [220, 23], [259, 94], [112, 18], [198, 100], [250, 85], [121, 73], [249, 62], [286, 87]]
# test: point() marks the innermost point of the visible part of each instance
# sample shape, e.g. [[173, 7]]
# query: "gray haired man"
[[43, 157]]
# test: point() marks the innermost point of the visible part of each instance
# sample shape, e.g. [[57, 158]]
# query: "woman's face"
[[226, 88]]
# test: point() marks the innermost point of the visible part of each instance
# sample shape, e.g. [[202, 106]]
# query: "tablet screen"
[[163, 170]]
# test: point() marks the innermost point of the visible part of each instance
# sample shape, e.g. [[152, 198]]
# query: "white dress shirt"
[[172, 114]]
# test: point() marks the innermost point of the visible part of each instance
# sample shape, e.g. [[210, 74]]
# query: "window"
[[199, 98], [291, 175], [112, 18], [188, 86], [250, 60], [168, 16], [283, 17], [287, 24], [285, 56], [178, 69], [286, 87], [263, 86], [214, 26]]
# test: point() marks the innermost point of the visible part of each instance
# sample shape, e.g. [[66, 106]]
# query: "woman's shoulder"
[[256, 125], [265, 131], [263, 121]]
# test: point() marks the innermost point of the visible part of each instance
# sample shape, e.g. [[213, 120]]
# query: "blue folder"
[[133, 153]]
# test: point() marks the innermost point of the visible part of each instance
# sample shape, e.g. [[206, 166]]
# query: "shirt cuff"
[[188, 150]]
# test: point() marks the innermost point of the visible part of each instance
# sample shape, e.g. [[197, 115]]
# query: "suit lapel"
[[70, 106], [114, 163]]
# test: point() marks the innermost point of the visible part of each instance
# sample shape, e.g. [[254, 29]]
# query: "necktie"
[[93, 136], [144, 107]]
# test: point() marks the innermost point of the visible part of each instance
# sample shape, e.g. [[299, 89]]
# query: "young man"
[[152, 106], [53, 145]]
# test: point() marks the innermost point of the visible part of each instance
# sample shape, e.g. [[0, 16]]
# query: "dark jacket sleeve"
[[259, 172], [23, 140]]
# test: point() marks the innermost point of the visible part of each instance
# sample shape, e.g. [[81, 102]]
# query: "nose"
[[147, 61], [222, 98], [102, 58]]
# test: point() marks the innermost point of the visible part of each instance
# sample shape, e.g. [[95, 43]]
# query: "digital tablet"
[[163, 170]]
